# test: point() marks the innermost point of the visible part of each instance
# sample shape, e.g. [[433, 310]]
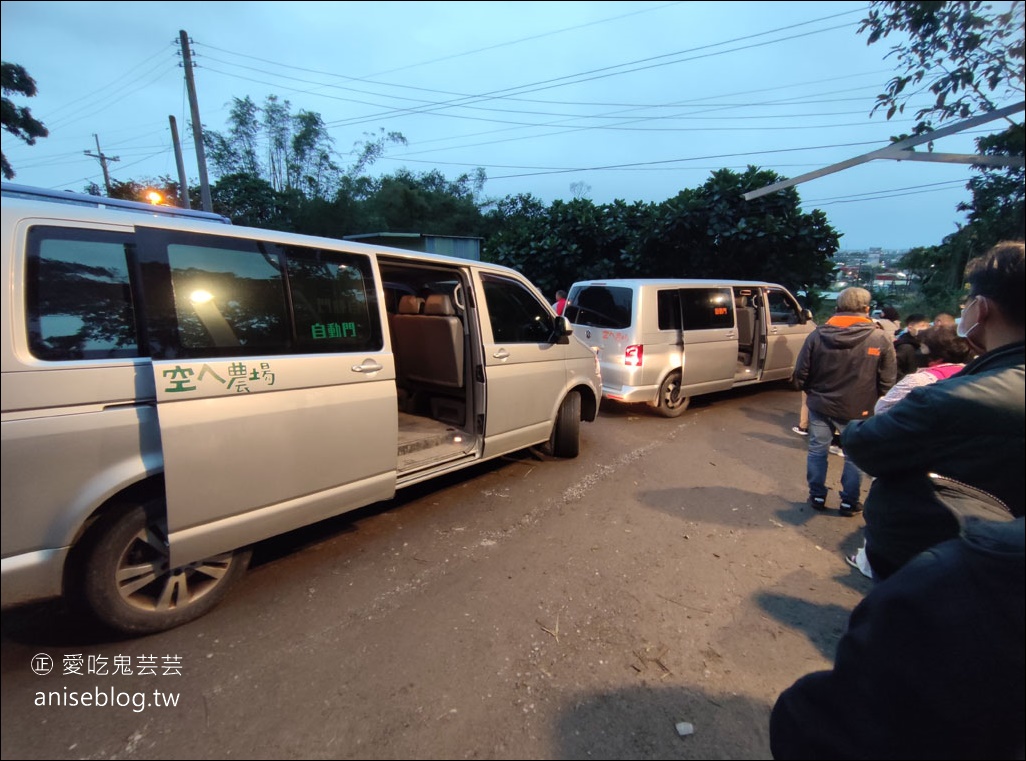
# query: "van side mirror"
[[806, 316], [562, 330]]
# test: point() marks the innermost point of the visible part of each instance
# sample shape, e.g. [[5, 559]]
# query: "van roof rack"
[[13, 190]]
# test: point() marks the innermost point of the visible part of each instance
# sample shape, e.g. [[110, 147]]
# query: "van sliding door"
[[275, 392], [709, 339]]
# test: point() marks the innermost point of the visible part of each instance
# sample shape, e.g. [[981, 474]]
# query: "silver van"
[[176, 389], [663, 341]]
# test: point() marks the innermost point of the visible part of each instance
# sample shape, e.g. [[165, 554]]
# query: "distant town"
[[875, 268]]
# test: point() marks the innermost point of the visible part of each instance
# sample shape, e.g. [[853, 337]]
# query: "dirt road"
[[529, 608]]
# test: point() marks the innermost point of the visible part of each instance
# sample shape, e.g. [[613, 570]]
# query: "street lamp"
[[155, 198]]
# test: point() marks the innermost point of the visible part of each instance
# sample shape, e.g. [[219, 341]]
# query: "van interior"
[[427, 307], [746, 309]]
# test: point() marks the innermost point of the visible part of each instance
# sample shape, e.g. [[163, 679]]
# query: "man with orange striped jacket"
[[845, 365]]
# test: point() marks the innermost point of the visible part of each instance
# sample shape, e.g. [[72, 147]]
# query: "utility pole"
[[183, 181], [103, 162], [197, 127]]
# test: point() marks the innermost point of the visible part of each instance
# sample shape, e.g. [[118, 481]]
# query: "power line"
[[579, 77], [878, 197]]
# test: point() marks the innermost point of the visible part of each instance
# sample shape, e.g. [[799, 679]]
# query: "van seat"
[[439, 304], [429, 346], [411, 305], [403, 327], [745, 324]]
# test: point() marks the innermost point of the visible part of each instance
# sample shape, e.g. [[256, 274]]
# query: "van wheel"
[[565, 440], [672, 402], [128, 584]]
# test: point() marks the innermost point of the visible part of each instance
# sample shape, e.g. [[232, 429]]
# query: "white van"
[[663, 341], [176, 389]]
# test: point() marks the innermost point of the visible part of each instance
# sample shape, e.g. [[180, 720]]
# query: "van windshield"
[[601, 306]]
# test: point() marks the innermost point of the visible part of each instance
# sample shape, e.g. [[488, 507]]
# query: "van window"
[[334, 301], [702, 308], [235, 296], [783, 308], [228, 298], [601, 306], [80, 302], [516, 315]]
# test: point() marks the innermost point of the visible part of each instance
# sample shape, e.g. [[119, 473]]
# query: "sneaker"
[[860, 562], [850, 508], [817, 503], [800, 431], [834, 449]]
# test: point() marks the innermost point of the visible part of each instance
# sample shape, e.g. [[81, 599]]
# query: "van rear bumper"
[[32, 576], [630, 394]]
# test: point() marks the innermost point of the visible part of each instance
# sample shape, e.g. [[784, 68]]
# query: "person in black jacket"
[[844, 366], [969, 427], [931, 665], [906, 345]]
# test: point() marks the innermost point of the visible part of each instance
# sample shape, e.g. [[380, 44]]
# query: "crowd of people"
[[931, 664]]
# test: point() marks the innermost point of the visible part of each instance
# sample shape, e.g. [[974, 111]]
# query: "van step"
[[427, 440]]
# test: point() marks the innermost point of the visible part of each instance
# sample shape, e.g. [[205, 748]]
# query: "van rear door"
[[275, 387]]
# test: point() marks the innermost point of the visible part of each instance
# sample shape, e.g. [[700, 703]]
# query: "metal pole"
[[183, 181], [103, 162], [197, 127]]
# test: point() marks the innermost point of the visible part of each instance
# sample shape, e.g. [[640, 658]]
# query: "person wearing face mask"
[[906, 345], [968, 428]]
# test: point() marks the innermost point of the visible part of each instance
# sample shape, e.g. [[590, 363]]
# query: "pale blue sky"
[[621, 100]]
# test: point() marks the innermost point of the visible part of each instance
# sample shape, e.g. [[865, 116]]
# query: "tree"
[[248, 200], [277, 169], [972, 60], [963, 53], [298, 149], [371, 148], [714, 232], [18, 120], [311, 169], [137, 190], [427, 202], [998, 194], [235, 151], [705, 232]]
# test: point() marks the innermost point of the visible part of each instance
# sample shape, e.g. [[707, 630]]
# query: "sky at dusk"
[[608, 100]]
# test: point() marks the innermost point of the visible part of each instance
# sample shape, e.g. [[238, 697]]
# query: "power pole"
[[103, 162], [197, 127], [183, 182]]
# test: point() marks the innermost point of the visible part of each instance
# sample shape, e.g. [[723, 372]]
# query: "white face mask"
[[962, 330]]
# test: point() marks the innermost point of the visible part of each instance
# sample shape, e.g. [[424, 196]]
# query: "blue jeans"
[[821, 434]]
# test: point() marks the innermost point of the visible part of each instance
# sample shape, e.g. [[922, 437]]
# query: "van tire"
[[135, 536], [565, 440], [671, 402]]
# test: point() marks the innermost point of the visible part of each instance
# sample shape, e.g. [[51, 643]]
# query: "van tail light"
[[634, 355]]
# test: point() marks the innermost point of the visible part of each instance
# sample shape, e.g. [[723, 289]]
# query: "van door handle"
[[731, 334], [367, 366], [501, 354]]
